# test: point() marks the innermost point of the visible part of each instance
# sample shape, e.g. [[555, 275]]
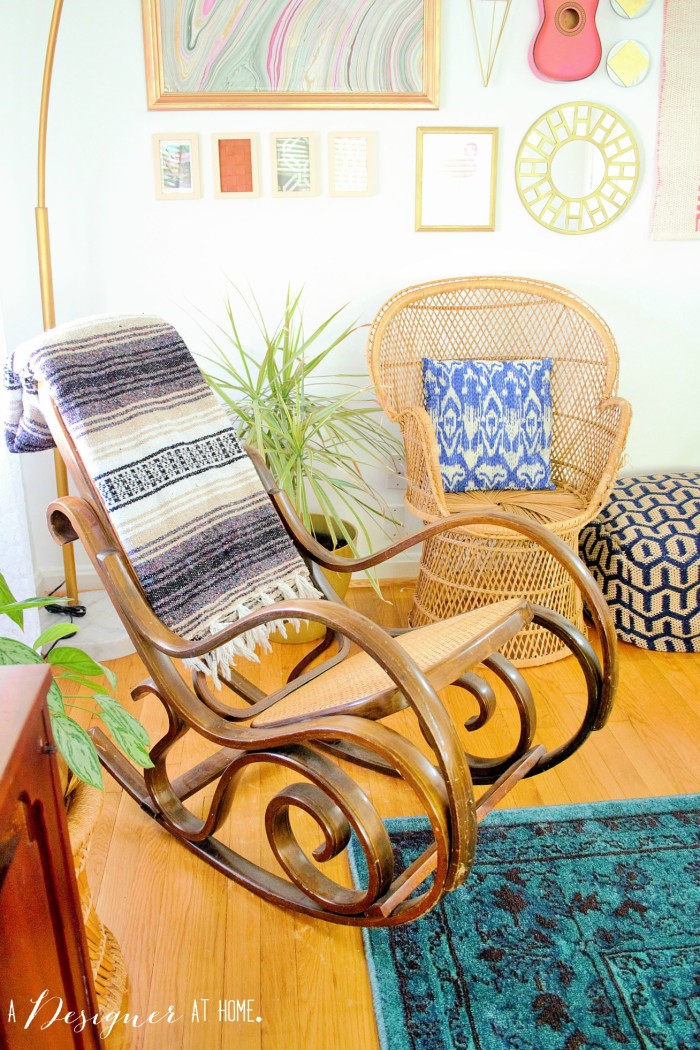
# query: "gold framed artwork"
[[350, 164], [236, 168], [456, 172], [248, 54], [176, 164], [294, 164]]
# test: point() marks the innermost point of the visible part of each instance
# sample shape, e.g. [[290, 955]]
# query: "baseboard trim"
[[49, 579]]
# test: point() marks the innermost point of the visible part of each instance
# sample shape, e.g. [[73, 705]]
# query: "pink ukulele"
[[567, 45]]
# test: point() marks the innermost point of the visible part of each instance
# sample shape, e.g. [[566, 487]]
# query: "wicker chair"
[[503, 318]]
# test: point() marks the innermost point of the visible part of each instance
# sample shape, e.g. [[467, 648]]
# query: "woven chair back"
[[490, 318]]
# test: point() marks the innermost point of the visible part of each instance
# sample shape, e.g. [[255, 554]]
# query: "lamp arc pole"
[[46, 273]]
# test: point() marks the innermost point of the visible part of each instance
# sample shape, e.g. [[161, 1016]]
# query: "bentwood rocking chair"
[[132, 369], [500, 319]]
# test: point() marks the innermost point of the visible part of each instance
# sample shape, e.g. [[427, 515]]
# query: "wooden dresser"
[[42, 940]]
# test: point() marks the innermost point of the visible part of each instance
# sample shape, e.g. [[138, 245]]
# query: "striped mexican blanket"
[[182, 495]]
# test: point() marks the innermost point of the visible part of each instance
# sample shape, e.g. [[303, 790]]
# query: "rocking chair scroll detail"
[[336, 711]]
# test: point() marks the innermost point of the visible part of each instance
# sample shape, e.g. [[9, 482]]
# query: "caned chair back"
[[502, 318]]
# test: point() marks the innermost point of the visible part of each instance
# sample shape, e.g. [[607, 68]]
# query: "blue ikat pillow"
[[493, 422]]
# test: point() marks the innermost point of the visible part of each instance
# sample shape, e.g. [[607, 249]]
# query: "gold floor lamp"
[[46, 282]]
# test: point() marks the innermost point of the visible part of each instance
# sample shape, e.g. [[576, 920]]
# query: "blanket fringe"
[[219, 660]]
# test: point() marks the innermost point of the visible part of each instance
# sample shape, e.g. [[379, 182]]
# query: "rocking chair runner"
[[335, 710]]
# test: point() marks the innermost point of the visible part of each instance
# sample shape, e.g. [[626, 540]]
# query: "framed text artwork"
[[272, 54], [456, 178], [350, 164], [176, 162]]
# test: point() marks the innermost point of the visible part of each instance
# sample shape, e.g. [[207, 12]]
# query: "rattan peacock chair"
[[324, 713], [502, 318]]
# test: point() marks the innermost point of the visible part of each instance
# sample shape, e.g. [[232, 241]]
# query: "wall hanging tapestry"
[[579, 927], [677, 210]]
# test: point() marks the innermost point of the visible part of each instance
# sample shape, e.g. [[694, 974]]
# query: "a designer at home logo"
[[47, 1011]]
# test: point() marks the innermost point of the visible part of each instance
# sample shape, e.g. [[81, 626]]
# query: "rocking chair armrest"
[[532, 530], [435, 722]]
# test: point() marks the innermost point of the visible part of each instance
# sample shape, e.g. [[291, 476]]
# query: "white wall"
[[116, 248]]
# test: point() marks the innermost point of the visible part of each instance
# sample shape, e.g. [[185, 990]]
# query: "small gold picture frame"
[[351, 170], [456, 171], [236, 167], [176, 163], [294, 164]]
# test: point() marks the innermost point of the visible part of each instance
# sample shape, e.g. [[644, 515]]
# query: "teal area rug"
[[579, 927]]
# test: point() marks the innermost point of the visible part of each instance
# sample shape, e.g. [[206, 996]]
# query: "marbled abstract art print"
[[271, 53]]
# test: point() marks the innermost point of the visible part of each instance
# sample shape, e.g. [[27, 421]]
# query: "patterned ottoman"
[[644, 551]]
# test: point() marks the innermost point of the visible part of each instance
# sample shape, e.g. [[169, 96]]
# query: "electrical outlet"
[[395, 481]]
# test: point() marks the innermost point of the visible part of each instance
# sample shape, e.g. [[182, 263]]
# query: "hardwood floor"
[[271, 980]]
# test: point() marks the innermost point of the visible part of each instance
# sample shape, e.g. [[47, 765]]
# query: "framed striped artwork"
[[273, 54], [294, 164]]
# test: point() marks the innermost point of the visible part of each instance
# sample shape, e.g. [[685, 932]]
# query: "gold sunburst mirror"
[[577, 167]]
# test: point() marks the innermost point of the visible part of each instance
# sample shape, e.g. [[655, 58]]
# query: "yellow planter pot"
[[340, 581]]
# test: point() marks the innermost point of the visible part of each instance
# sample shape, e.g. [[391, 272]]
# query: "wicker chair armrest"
[[605, 438], [425, 494]]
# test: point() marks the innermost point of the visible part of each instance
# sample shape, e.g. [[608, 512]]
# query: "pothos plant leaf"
[[13, 652], [52, 634], [78, 662], [69, 664], [10, 607], [127, 731], [78, 749]]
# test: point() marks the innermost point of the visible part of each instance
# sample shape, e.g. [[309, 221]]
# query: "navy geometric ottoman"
[[644, 551]]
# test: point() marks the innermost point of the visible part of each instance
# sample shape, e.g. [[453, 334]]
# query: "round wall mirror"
[[577, 168]]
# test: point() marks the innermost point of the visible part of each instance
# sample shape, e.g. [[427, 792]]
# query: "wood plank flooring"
[[242, 974]]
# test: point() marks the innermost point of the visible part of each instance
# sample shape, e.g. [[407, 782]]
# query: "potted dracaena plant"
[[318, 431]]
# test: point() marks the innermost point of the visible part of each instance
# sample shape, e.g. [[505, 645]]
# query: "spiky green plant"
[[318, 432]]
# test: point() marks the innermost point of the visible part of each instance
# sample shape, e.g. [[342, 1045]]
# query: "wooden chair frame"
[[309, 746]]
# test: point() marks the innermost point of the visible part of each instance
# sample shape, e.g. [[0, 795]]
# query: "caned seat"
[[350, 686], [489, 319]]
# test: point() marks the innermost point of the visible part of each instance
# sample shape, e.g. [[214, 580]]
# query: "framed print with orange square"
[[249, 54], [236, 169], [176, 164]]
